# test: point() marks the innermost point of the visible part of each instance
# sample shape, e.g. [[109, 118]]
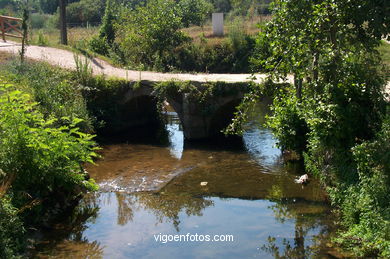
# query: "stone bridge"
[[137, 106]]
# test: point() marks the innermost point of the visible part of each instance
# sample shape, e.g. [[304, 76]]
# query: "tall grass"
[[52, 35], [58, 92], [83, 69]]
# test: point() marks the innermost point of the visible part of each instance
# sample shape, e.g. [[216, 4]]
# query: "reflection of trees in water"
[[72, 230], [165, 206], [125, 211], [308, 216]]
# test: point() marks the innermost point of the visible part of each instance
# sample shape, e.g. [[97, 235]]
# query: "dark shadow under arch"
[[222, 117]]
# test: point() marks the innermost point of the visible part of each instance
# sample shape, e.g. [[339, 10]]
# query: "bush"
[[150, 33], [288, 122], [84, 11], [45, 159], [194, 12], [42, 40], [12, 240], [38, 20], [366, 205], [57, 96]]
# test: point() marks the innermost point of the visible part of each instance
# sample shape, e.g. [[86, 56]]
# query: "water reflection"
[[151, 188], [176, 136], [126, 224]]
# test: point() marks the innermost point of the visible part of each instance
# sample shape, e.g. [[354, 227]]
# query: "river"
[[157, 188]]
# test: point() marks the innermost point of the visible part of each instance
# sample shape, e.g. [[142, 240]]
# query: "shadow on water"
[[150, 187]]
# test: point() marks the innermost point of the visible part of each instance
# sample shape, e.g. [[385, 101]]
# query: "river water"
[[153, 188]]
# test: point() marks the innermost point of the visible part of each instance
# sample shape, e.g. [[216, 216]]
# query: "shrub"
[[42, 40], [44, 159], [12, 240], [288, 123], [194, 12], [366, 205], [107, 31], [84, 11], [57, 95], [38, 20], [150, 33]]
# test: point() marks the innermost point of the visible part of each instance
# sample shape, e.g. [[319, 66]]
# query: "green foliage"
[[337, 106], [222, 6], [219, 58], [48, 6], [84, 11], [107, 30], [366, 206], [104, 102], [150, 33], [12, 240], [99, 45], [194, 12], [288, 122], [38, 20], [384, 51], [44, 159], [55, 91], [250, 7], [42, 40], [83, 69]]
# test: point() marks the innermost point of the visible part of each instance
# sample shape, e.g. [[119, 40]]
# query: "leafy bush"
[[84, 11], [38, 20], [219, 58], [339, 84], [42, 40], [194, 12], [12, 240], [366, 205], [57, 95], [150, 33], [288, 122], [107, 31], [44, 159], [12, 231]]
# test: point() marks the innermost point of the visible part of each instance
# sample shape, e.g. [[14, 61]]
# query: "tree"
[[64, 34], [48, 6], [336, 105], [107, 30], [195, 12], [150, 33], [304, 32]]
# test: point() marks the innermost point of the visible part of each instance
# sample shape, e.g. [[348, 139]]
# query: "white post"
[[217, 19]]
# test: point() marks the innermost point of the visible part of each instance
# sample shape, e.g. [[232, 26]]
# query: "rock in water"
[[203, 183]]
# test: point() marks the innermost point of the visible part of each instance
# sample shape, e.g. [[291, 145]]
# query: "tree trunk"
[[64, 34], [298, 86], [315, 66]]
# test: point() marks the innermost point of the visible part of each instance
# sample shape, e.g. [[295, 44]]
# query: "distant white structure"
[[217, 19]]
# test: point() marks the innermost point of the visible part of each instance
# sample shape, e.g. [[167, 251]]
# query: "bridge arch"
[[222, 116], [200, 119]]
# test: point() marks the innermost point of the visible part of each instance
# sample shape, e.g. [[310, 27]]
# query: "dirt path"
[[65, 59]]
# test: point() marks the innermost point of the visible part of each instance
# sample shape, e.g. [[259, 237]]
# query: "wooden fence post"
[[2, 28]]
